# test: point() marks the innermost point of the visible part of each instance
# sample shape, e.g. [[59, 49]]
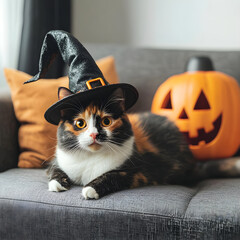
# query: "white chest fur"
[[82, 167]]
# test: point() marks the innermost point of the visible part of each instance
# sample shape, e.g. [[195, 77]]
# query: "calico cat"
[[106, 150]]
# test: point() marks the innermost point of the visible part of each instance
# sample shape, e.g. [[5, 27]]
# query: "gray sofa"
[[209, 210]]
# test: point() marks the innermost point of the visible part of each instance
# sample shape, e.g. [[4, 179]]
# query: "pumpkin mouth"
[[203, 136]]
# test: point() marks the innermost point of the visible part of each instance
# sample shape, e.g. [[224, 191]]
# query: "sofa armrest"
[[9, 149]]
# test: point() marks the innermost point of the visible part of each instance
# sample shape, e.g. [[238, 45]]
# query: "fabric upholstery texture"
[[8, 133], [37, 137], [29, 211], [209, 210]]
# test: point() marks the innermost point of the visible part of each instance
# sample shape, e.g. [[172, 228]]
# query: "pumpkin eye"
[[167, 102], [202, 102], [81, 123], [106, 121]]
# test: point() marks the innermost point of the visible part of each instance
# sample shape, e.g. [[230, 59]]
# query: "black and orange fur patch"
[[142, 140]]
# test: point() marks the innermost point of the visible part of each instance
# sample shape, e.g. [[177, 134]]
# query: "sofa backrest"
[[146, 69]]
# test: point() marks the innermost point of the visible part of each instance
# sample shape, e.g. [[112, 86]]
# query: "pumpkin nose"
[[183, 114]]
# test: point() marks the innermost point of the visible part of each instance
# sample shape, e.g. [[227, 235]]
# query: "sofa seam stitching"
[[193, 196], [117, 211]]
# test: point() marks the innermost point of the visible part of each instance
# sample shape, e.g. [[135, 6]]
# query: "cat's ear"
[[63, 92], [118, 97]]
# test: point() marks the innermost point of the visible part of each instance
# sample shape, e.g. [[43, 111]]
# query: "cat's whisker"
[[134, 150], [72, 146], [124, 154], [50, 148], [119, 150], [113, 99], [75, 150], [114, 142], [48, 159], [52, 138], [107, 102], [125, 134], [75, 106], [110, 147]]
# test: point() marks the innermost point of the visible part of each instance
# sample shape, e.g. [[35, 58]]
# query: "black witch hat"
[[85, 78]]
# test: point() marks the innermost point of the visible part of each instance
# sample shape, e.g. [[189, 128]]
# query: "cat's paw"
[[55, 186], [89, 193]]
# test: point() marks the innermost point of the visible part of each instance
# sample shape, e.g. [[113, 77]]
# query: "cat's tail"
[[222, 168]]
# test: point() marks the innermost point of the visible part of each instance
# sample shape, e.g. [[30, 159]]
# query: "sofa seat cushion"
[[28, 210]]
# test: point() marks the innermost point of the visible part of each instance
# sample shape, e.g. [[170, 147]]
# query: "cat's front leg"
[[112, 182], [58, 180]]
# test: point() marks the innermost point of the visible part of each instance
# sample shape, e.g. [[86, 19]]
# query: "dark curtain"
[[41, 16]]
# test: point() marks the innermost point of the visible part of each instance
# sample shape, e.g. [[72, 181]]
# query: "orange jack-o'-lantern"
[[205, 105]]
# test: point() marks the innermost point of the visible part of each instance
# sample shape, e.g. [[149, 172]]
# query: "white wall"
[[189, 24], [11, 19]]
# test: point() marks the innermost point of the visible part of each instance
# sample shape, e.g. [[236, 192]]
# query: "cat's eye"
[[106, 121], [80, 123]]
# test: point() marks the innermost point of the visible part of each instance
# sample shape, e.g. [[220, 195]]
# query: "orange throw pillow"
[[37, 137]]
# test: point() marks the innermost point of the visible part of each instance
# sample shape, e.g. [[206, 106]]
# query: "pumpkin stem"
[[199, 63]]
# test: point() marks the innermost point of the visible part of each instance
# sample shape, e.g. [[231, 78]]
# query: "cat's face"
[[98, 126]]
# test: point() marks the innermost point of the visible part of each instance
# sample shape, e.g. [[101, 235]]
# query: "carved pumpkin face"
[[205, 105]]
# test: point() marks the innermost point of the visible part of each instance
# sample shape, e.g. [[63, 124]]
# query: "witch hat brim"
[[86, 80], [53, 113]]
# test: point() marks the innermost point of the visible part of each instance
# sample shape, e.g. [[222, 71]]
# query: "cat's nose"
[[93, 135]]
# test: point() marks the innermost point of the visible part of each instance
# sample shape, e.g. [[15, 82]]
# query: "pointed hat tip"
[[33, 79]]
